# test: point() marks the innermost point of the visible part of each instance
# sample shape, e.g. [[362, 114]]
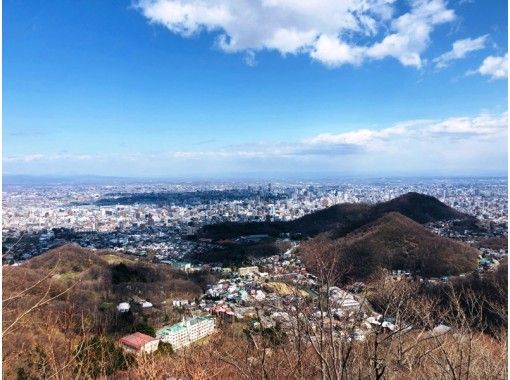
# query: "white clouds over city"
[[462, 142], [482, 127], [329, 31]]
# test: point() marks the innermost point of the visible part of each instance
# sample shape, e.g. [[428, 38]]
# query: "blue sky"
[[222, 88]]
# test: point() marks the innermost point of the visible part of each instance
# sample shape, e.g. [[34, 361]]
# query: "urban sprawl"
[[158, 221], [159, 218]]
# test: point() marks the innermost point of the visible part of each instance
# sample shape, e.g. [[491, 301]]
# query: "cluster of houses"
[[269, 298], [227, 299], [342, 302], [233, 298], [284, 263], [346, 309], [257, 296]]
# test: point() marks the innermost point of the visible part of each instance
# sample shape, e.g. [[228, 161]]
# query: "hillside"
[[393, 241], [343, 218], [101, 275], [419, 207], [93, 282], [70, 294]]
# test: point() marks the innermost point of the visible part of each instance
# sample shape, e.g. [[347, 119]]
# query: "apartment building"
[[186, 332]]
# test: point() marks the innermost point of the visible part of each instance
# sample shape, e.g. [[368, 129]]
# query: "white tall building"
[[186, 332]]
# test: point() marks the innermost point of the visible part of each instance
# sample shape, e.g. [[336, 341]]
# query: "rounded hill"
[[394, 241]]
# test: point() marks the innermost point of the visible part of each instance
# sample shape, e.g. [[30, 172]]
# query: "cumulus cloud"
[[483, 126], [367, 138], [411, 32], [494, 67], [329, 31], [333, 52], [460, 49]]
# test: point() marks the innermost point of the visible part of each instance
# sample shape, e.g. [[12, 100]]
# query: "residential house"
[[139, 343]]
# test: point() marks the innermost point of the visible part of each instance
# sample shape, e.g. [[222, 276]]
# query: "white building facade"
[[186, 332]]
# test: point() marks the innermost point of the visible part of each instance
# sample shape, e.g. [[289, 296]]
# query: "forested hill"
[[343, 218], [393, 241]]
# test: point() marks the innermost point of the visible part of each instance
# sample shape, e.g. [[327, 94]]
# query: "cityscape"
[[160, 224], [159, 218], [262, 189]]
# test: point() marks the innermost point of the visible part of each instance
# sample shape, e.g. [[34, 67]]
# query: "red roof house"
[[139, 343]]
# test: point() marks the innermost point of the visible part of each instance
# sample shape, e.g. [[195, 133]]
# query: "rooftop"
[[136, 340], [181, 325]]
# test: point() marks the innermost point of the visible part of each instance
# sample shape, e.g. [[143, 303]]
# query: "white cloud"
[[328, 31], [476, 144], [25, 158], [42, 157], [187, 18], [460, 49], [455, 145], [494, 67], [359, 137], [409, 134], [290, 41], [484, 125], [333, 52], [411, 33]]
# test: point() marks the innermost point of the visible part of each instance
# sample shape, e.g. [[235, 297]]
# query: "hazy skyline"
[[221, 88]]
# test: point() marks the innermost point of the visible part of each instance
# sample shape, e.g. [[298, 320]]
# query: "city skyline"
[[217, 90]]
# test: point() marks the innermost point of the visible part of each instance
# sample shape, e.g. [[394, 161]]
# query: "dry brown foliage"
[[47, 334]]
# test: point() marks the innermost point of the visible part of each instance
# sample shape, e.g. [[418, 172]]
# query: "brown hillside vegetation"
[[60, 339], [100, 276], [394, 242], [56, 298], [493, 243]]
